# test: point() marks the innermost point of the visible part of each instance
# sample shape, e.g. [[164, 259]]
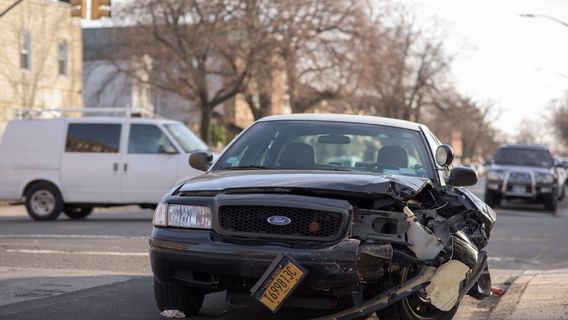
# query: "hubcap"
[[42, 202]]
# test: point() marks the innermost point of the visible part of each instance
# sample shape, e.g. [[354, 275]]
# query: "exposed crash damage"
[[389, 225], [349, 214]]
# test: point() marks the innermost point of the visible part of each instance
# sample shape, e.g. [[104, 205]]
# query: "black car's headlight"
[[183, 216], [160, 215]]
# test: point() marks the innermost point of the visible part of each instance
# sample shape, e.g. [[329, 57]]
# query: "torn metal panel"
[[386, 298], [379, 225], [371, 259], [422, 242], [443, 289], [461, 200]]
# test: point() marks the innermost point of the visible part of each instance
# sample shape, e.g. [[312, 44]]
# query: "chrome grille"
[[520, 177]]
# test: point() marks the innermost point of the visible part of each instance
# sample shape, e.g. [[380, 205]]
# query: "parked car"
[[524, 171], [279, 220], [72, 165]]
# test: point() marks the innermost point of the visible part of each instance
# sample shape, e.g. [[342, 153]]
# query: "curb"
[[535, 295]]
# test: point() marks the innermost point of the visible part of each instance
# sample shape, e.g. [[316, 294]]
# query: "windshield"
[[333, 146], [524, 157], [185, 138]]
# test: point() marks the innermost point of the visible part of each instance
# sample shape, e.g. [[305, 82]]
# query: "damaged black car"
[[351, 214]]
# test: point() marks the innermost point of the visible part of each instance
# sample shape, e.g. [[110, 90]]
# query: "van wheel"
[[74, 212], [171, 296], [43, 201]]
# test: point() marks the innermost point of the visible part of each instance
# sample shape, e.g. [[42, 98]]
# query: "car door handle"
[[115, 167], [125, 167]]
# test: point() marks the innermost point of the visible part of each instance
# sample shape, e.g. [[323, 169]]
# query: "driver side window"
[[147, 139]]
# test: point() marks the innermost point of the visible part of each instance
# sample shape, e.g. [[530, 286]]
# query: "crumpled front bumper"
[[198, 257]]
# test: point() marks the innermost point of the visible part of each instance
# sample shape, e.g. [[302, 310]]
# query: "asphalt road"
[[99, 269]]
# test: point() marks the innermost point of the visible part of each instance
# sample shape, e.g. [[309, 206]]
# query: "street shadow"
[[131, 298]]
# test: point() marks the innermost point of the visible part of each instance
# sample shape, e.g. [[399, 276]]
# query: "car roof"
[[102, 119], [345, 118]]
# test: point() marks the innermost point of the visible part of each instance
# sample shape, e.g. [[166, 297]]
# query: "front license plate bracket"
[[278, 282]]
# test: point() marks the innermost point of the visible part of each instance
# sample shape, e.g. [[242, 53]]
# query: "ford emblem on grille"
[[279, 220]]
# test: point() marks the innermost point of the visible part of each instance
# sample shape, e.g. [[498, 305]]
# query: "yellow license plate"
[[278, 282]]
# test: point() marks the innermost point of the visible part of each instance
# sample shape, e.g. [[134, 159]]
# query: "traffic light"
[[99, 9], [78, 8]]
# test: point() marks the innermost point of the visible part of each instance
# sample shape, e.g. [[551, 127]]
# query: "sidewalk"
[[530, 295], [535, 295]]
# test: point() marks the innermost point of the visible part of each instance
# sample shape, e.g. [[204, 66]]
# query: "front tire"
[[74, 212], [44, 201], [415, 306], [171, 296]]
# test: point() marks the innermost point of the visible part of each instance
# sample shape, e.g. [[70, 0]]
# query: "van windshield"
[[185, 138]]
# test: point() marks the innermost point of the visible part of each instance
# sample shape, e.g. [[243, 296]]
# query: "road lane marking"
[[67, 236], [91, 253]]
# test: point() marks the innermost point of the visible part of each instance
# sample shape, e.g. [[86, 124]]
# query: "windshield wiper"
[[251, 167]]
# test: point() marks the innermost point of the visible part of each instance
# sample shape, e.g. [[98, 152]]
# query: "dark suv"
[[521, 171], [360, 214]]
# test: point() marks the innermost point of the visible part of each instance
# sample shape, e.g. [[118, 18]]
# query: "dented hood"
[[343, 183]]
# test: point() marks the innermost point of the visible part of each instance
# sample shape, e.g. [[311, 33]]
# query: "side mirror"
[[168, 149], [200, 160], [462, 177], [444, 155]]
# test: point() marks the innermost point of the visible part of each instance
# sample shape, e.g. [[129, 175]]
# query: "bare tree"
[[559, 119], [200, 50], [310, 48], [471, 121], [403, 65], [530, 131]]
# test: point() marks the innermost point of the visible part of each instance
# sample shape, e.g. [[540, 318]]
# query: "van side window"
[[147, 139], [93, 137]]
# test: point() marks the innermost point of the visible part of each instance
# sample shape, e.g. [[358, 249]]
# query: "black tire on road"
[[74, 212], [44, 201], [551, 203], [414, 307], [491, 199], [183, 298]]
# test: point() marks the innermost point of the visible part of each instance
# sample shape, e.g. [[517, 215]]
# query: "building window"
[[62, 57], [26, 51]]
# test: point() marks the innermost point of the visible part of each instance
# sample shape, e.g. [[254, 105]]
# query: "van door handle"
[[115, 167], [125, 167]]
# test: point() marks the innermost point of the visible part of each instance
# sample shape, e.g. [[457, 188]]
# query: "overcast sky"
[[519, 63]]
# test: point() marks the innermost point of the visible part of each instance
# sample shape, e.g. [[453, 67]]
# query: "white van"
[[72, 165]]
